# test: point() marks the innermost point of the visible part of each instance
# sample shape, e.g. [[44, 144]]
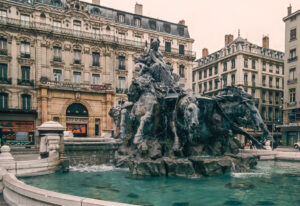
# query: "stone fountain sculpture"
[[169, 131]]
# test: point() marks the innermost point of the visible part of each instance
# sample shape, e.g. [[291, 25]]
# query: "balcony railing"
[[292, 59], [77, 61], [122, 67], [25, 55], [292, 81], [3, 51], [80, 34], [24, 82], [57, 59], [5, 80]]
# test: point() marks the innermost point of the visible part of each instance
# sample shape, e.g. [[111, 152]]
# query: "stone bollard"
[[51, 139], [6, 159]]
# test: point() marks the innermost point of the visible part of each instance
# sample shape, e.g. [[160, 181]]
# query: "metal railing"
[[5, 80], [25, 82]]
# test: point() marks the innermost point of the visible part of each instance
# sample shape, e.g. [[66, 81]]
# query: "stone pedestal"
[[52, 141], [6, 159]]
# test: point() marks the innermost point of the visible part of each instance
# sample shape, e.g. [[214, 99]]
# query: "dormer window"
[[167, 28], [121, 18], [152, 24], [95, 11], [137, 22], [180, 30]]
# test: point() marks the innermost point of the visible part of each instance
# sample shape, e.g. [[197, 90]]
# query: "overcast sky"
[[209, 20]]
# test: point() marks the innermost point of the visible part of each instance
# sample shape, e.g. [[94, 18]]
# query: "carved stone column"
[[44, 98]]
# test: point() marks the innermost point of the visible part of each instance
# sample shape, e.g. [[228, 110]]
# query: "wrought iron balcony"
[[292, 59], [29, 110], [292, 81], [77, 61], [121, 90], [3, 52], [25, 55], [122, 67], [25, 82], [5, 80], [57, 59]]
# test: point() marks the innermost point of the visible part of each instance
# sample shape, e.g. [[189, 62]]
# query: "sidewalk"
[[288, 154]]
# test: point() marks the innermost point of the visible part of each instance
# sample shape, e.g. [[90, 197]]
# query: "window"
[[122, 82], [205, 73], [293, 34], [180, 30], [122, 62], [270, 114], [3, 101], [25, 73], [270, 81], [96, 79], [277, 114], [253, 92], [224, 66], [152, 24], [246, 63], [270, 67], [57, 54], [205, 87], [232, 63], [200, 87], [137, 22], [3, 14], [232, 79], [277, 98], [292, 74], [292, 55], [57, 26], [76, 27], [216, 68], [181, 49], [264, 80], [200, 75], [193, 87], [264, 66], [167, 28], [277, 83], [210, 85], [96, 33], [25, 20], [77, 56], [25, 50], [138, 40], [253, 79], [271, 97], [292, 95], [277, 69], [168, 46], [263, 113], [246, 79], [216, 83], [225, 80], [193, 76], [253, 64], [96, 58], [181, 71], [57, 76], [210, 71], [121, 18], [77, 77], [263, 96], [3, 45], [3, 72], [26, 101]]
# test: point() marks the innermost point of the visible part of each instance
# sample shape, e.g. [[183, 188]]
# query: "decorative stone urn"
[[51, 139]]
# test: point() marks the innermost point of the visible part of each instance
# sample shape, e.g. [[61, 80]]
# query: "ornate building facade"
[[70, 61], [256, 69], [291, 127]]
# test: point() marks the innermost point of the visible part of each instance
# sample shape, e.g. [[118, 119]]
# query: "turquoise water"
[[271, 183]]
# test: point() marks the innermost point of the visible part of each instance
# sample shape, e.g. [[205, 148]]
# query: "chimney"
[[204, 52], [289, 10], [182, 22], [97, 2], [228, 39], [138, 9], [265, 42]]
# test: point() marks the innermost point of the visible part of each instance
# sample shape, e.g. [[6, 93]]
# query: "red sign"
[[77, 128], [17, 126]]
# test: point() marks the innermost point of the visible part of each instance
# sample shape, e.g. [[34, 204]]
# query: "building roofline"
[[291, 15]]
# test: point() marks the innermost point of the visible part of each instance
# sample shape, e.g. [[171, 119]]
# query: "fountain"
[[168, 131]]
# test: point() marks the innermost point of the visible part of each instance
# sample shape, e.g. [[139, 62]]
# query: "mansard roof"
[[110, 13]]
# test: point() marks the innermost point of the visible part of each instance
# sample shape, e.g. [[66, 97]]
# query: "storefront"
[[77, 119], [17, 127], [290, 133]]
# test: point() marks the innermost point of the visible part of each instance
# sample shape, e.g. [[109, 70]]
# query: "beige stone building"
[[291, 126], [256, 69], [70, 61]]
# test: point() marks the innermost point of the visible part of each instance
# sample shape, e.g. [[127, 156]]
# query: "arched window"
[[77, 109], [26, 102], [3, 101]]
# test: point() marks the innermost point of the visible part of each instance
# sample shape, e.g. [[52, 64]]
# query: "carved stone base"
[[192, 167]]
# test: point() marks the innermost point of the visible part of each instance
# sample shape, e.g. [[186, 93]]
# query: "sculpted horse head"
[[240, 107]]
